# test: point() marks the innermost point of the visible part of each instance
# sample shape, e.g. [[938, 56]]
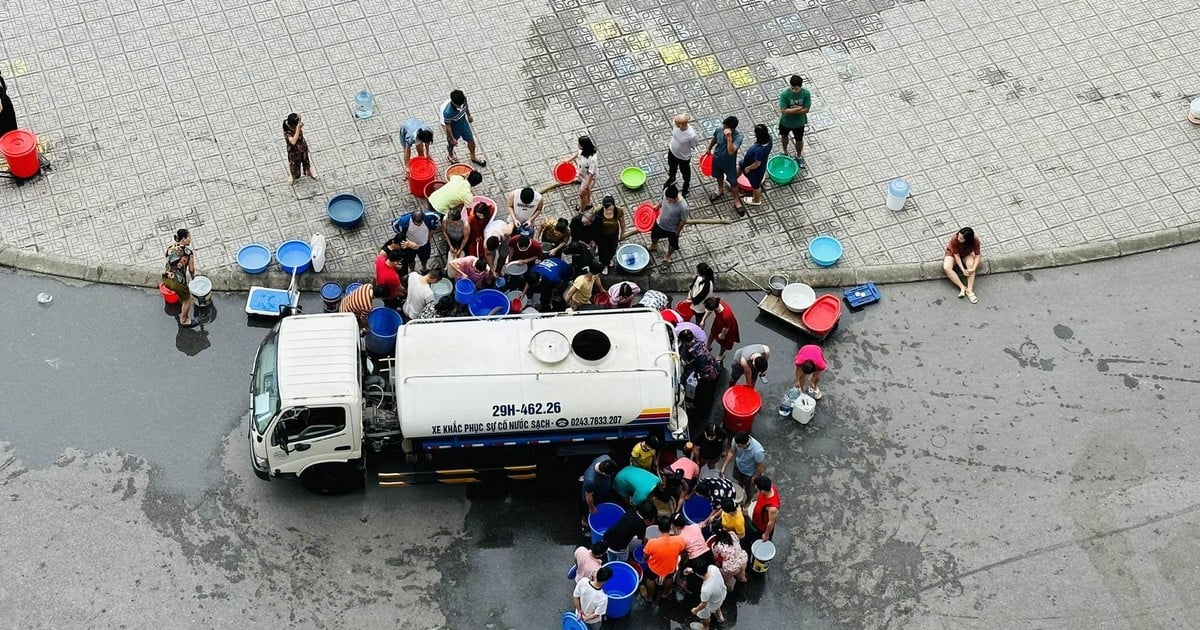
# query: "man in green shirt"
[[794, 104]]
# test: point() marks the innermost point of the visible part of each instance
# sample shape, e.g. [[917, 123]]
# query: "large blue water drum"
[[382, 325]]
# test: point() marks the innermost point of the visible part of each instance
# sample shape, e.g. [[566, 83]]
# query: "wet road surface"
[[1024, 462]]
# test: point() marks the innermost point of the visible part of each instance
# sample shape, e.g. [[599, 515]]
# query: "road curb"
[[228, 280]]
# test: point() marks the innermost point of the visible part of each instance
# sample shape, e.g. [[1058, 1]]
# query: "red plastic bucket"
[[421, 171], [20, 151], [169, 296], [602, 299], [432, 186], [684, 308], [564, 172], [670, 316], [644, 217], [742, 403], [706, 164]]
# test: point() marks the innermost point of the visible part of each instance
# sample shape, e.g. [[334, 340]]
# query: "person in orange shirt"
[[663, 555]]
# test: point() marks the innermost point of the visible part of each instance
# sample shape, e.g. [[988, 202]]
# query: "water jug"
[[364, 104], [788, 400]]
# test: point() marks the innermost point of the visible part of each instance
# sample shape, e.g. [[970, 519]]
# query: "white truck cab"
[[306, 396]]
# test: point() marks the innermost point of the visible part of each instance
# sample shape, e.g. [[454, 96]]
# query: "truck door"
[[304, 436]]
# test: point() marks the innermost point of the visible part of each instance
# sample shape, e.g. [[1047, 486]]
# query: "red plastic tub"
[[822, 316], [432, 186], [565, 172], [421, 171], [20, 151], [744, 185], [684, 308], [671, 316], [741, 403], [706, 164], [602, 299], [644, 217]]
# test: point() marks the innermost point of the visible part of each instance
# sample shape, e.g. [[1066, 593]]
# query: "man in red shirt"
[[766, 508], [387, 277], [523, 249]]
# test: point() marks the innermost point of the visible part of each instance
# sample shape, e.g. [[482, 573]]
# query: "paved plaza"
[[1041, 124]]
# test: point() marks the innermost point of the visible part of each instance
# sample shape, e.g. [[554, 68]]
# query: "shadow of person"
[[192, 341]]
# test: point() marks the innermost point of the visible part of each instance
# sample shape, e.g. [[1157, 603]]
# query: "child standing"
[[297, 147]]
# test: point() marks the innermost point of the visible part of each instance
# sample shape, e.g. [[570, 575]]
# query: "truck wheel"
[[330, 479]]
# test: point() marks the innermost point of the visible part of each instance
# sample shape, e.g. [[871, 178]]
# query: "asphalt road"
[[1024, 462]]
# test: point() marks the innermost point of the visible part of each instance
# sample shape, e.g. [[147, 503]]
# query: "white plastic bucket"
[[200, 288], [897, 194], [763, 552], [803, 409]]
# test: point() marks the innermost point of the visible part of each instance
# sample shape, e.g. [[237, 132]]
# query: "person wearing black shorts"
[[672, 217], [794, 104]]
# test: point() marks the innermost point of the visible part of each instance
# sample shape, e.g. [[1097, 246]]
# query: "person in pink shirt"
[[686, 466], [589, 560], [810, 365], [699, 556]]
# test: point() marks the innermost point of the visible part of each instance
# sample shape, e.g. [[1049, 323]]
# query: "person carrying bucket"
[[591, 602], [766, 509], [597, 483], [524, 207], [632, 524]]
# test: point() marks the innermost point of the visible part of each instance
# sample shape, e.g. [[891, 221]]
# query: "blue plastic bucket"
[[464, 291], [620, 589], [382, 325], [570, 621], [490, 303], [696, 509], [572, 572], [350, 289], [639, 556], [607, 514], [331, 295], [555, 270]]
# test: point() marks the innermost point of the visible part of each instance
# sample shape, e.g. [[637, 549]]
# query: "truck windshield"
[[265, 388]]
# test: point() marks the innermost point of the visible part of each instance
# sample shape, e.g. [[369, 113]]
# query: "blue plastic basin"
[[489, 300], [294, 256], [633, 258], [254, 258], [345, 210], [825, 250]]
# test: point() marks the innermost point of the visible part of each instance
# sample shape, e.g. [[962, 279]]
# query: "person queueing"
[[597, 483], [754, 164], [631, 525], [732, 559], [610, 226], [663, 555], [459, 192], [457, 120], [591, 602], [585, 166], [712, 597], [524, 207], [711, 445], [717, 490], [725, 331], [724, 146], [698, 361], [749, 460], [477, 222], [699, 556], [645, 452], [360, 302], [420, 292], [413, 230], [732, 518], [456, 231], [766, 509], [388, 287], [588, 560], [810, 365], [583, 287]]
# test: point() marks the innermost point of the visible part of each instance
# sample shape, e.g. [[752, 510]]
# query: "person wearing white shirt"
[[585, 166], [591, 602], [684, 141], [524, 206], [712, 596]]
